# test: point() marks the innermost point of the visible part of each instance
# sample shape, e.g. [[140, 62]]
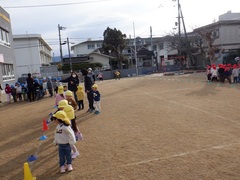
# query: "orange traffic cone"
[[45, 126], [27, 172]]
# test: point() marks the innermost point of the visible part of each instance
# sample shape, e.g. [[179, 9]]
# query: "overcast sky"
[[85, 19]]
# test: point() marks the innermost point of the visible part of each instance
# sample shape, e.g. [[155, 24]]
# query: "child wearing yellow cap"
[[80, 97], [64, 137], [71, 100], [60, 95], [71, 115]]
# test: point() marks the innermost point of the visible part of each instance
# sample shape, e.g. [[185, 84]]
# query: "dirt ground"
[[151, 128]]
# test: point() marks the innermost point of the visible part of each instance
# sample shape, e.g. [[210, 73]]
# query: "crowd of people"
[[31, 90], [221, 72]]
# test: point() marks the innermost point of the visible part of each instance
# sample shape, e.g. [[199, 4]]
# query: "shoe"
[[74, 155], [70, 167], [88, 110], [92, 110], [62, 169], [96, 112]]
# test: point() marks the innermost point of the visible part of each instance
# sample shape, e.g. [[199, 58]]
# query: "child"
[[100, 76], [71, 115], [24, 92], [19, 91], [96, 97], [59, 96], [14, 93], [70, 99], [64, 138], [80, 97], [61, 105], [65, 88], [8, 92]]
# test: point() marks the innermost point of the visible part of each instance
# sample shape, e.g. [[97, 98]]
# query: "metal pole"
[[135, 50], [60, 43], [69, 54], [151, 45], [179, 31]]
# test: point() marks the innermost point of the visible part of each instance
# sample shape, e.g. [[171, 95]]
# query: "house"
[[32, 52], [225, 34], [92, 49], [7, 58], [86, 47], [93, 57]]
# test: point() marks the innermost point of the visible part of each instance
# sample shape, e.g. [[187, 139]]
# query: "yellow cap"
[[62, 116], [63, 103], [60, 90], [95, 86], [79, 87], [69, 93], [69, 111]]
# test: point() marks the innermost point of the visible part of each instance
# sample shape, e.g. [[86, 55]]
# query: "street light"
[[60, 43]]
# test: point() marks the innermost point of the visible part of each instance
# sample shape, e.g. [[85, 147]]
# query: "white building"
[[31, 52], [86, 47], [7, 58]]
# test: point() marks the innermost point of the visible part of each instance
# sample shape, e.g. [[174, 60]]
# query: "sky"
[[87, 19]]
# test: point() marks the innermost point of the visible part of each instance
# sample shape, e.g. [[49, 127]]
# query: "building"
[[31, 52], [225, 35], [7, 57], [86, 47]]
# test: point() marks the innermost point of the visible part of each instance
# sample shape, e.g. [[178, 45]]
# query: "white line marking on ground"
[[181, 154], [190, 107]]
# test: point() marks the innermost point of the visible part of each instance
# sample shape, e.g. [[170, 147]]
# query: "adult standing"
[[30, 87], [92, 75], [88, 89], [73, 82], [1, 93]]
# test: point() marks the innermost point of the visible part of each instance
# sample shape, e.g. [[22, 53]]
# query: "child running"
[[64, 138]]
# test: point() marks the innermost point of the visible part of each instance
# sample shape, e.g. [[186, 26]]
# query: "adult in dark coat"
[[30, 88], [88, 89], [73, 82]]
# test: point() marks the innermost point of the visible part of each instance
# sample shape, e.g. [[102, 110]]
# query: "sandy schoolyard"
[[151, 127]]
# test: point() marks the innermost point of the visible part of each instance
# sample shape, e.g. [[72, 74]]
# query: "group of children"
[[67, 132], [19, 91], [223, 71]]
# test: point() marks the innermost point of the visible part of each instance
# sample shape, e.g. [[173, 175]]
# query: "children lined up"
[[222, 72]]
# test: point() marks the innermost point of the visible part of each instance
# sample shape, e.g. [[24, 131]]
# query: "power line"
[[47, 5]]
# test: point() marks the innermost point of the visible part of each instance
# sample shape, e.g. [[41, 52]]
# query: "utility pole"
[[179, 30], [60, 43], [130, 41], [135, 50], [69, 54], [151, 44]]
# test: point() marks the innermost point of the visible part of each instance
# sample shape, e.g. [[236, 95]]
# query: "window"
[[7, 71], [99, 45], [161, 46], [4, 37], [91, 46], [154, 47], [215, 33]]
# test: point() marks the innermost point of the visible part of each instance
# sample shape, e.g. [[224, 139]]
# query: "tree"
[[114, 41], [209, 39]]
